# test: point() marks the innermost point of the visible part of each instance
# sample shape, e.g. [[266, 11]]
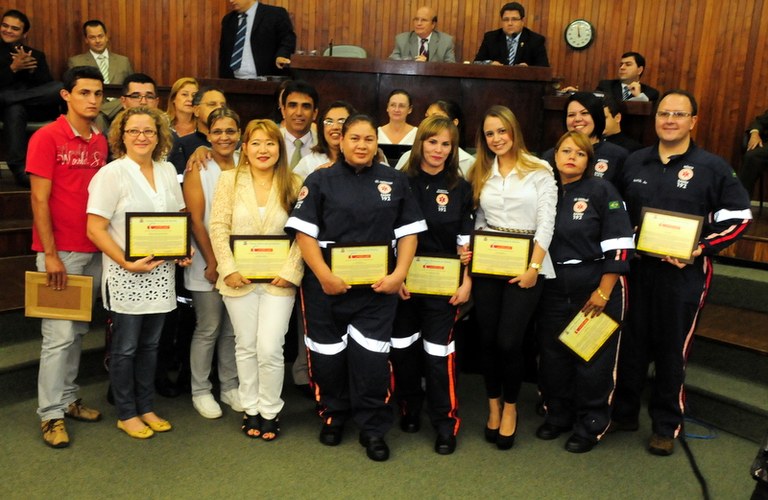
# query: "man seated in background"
[[113, 67], [27, 90], [756, 157], [424, 43], [628, 87], [513, 43]]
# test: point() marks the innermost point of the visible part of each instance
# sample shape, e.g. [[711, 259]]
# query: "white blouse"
[[528, 204], [407, 139], [194, 274], [120, 187], [309, 164]]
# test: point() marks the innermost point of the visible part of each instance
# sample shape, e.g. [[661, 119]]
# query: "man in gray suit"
[[424, 43], [114, 67]]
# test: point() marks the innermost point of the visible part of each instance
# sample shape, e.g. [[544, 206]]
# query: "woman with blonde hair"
[[139, 293], [255, 199], [514, 192], [180, 109]]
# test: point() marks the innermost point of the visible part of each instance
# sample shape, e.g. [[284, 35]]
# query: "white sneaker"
[[206, 406], [232, 398]]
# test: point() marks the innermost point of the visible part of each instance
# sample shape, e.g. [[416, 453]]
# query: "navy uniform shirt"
[[608, 162], [696, 183], [339, 205], [448, 212], [591, 225]]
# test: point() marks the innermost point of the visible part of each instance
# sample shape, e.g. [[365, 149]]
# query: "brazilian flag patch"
[[613, 205]]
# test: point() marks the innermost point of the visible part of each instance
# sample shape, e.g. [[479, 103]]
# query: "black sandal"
[[251, 423], [270, 427]]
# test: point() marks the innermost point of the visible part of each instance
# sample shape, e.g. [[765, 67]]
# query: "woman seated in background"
[[584, 113], [422, 338], [138, 293], [180, 106], [452, 111], [326, 152], [397, 130], [254, 199], [514, 192], [591, 247], [213, 330]]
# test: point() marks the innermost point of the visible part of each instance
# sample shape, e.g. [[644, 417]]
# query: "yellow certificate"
[[500, 255], [162, 234], [74, 303], [585, 335], [434, 275], [260, 258], [664, 233], [360, 264]]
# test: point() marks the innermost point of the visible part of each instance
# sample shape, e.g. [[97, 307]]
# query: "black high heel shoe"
[[491, 435], [506, 442]]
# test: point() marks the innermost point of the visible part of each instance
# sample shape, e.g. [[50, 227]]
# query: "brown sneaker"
[[661, 445], [54, 433], [76, 410]]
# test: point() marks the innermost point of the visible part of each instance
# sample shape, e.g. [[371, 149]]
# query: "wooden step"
[[15, 237], [734, 326], [12, 291]]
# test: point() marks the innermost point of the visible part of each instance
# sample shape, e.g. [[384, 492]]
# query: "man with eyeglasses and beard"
[[666, 293]]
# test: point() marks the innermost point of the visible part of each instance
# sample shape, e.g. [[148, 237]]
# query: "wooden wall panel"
[[710, 47]]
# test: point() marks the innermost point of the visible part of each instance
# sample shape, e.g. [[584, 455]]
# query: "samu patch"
[[613, 205]]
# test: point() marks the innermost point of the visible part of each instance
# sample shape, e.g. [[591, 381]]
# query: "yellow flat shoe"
[[158, 425], [144, 433]]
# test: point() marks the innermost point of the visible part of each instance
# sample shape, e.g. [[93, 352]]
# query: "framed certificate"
[[664, 233], [500, 255], [585, 335], [360, 264], [162, 234], [433, 274], [74, 303], [260, 258]]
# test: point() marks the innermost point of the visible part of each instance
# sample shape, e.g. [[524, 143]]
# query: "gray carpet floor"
[[211, 458]]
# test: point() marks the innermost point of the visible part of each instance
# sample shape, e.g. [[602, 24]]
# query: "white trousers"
[[260, 321], [213, 331]]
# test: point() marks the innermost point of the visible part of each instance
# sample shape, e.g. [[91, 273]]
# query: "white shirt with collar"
[[247, 69], [528, 204], [308, 141]]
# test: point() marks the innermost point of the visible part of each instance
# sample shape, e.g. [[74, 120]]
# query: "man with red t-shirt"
[[62, 159]]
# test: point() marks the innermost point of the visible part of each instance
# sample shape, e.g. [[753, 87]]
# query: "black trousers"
[[576, 392], [503, 313], [423, 346], [754, 165], [664, 307], [349, 340]]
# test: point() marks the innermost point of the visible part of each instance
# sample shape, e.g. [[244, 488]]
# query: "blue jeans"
[[62, 341], [134, 358]]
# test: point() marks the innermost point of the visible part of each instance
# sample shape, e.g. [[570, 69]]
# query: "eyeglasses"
[[138, 97], [330, 121], [217, 132], [675, 115], [148, 133]]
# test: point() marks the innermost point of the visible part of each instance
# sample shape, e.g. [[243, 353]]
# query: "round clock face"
[[579, 34]]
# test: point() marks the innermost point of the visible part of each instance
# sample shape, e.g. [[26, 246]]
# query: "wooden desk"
[[637, 121], [366, 83]]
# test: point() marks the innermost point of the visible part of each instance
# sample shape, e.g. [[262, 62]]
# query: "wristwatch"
[[534, 265]]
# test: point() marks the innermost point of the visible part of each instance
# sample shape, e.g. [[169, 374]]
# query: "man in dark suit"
[[27, 90], [612, 132], [628, 87], [755, 160], [272, 40], [525, 47], [424, 43]]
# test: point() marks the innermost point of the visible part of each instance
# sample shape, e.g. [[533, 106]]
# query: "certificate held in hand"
[[434, 275], [664, 233], [260, 258], [165, 235], [500, 255], [360, 264], [585, 335]]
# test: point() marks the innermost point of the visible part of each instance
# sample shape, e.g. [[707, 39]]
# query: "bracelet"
[[602, 295]]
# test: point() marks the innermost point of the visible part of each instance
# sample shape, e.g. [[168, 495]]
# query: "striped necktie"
[[512, 48], [103, 63], [237, 51], [625, 94], [423, 49], [296, 158]]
